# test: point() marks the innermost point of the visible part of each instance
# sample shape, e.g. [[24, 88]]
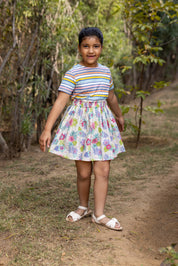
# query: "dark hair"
[[90, 31]]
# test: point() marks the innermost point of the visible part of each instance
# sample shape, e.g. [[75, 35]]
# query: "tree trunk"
[[39, 127], [3, 145], [16, 143], [6, 58], [141, 105], [140, 121]]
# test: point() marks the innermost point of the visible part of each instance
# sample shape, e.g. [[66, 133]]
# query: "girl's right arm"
[[60, 103]]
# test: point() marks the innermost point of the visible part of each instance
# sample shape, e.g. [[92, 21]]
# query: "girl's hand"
[[45, 139], [114, 106], [58, 106], [120, 123]]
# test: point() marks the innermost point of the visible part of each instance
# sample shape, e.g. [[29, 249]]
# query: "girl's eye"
[[86, 46]]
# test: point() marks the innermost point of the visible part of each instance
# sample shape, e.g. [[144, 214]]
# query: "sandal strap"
[[112, 223], [82, 208], [101, 217]]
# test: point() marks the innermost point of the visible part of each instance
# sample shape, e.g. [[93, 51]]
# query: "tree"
[[143, 22], [33, 49], [38, 43]]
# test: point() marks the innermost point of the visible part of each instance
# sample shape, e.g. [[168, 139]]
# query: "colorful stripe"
[[87, 82]]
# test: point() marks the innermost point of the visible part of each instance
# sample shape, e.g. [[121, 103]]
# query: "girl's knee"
[[101, 170], [83, 175], [84, 170], [104, 174]]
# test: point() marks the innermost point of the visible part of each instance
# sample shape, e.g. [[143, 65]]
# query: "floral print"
[[87, 132]]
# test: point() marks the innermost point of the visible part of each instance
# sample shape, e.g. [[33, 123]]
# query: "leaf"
[[161, 61], [142, 94], [125, 109], [160, 84], [125, 68], [159, 103], [153, 110], [121, 92], [27, 13]]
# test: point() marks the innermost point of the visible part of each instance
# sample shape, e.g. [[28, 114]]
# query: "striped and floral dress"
[[88, 130]]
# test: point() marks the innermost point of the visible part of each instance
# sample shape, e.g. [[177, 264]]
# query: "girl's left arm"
[[114, 106], [58, 106]]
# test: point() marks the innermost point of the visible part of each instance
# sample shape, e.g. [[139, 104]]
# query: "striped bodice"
[[90, 83]]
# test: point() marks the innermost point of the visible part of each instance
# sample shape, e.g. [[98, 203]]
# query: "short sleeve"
[[111, 87], [68, 83]]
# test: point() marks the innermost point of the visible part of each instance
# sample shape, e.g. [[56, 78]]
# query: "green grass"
[[171, 112]]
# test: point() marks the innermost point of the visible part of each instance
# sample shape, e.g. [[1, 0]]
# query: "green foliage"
[[132, 125], [26, 127], [45, 33], [121, 92], [172, 255], [143, 21], [142, 94], [148, 59], [160, 84], [154, 110], [151, 26], [47, 38]]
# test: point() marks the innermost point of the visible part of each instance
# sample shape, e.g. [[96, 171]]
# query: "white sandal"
[[111, 224], [76, 217]]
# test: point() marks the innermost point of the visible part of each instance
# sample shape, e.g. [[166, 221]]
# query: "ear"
[[78, 48]]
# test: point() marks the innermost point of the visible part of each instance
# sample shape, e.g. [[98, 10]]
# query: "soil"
[[149, 220]]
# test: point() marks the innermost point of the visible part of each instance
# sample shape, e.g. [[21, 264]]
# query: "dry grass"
[[38, 190]]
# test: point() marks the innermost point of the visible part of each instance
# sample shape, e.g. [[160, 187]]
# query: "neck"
[[83, 64]]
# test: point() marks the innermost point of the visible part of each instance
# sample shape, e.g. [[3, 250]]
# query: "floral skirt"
[[87, 132]]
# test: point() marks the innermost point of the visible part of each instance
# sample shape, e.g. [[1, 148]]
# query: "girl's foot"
[[81, 212], [109, 223]]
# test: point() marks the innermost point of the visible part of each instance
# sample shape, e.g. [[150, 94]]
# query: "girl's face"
[[90, 50]]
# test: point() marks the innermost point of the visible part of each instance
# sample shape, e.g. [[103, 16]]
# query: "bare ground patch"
[[38, 190]]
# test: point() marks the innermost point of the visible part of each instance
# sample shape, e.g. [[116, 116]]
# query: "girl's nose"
[[91, 49]]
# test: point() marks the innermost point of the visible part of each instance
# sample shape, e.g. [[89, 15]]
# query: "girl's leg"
[[84, 171], [101, 172]]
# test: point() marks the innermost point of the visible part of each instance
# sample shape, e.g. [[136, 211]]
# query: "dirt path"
[[150, 222], [155, 222], [145, 200]]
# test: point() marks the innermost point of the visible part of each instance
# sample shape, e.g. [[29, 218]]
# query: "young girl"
[[88, 132]]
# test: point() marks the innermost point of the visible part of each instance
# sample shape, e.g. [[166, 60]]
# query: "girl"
[[88, 132]]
